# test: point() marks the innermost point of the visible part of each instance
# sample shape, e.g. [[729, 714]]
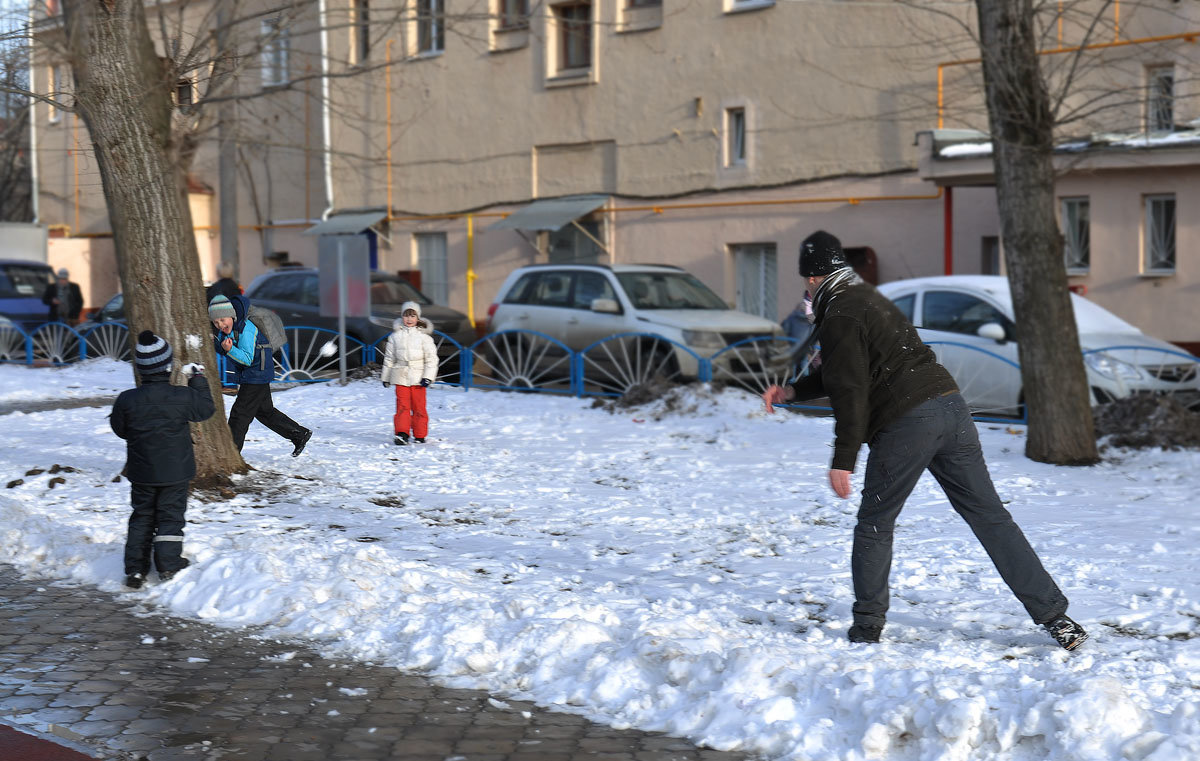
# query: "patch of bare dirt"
[[1148, 422]]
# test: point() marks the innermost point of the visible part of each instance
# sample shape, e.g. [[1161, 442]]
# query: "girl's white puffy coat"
[[410, 354]]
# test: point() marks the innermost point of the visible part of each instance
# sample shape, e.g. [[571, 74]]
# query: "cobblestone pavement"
[[83, 665]]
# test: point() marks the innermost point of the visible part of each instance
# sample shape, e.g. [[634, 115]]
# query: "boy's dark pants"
[[254, 402], [157, 521], [940, 435]]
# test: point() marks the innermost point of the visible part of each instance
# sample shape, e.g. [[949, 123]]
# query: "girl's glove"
[[425, 382]]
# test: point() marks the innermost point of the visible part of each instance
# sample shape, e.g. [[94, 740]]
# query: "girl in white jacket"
[[410, 364]]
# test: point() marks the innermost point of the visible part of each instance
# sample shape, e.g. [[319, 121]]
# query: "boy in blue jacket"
[[249, 354]]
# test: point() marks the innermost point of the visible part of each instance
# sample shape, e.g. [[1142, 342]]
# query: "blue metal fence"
[[521, 360]]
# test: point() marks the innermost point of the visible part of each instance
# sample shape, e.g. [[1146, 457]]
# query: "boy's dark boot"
[[400, 439], [135, 580], [865, 633], [1066, 632], [300, 441]]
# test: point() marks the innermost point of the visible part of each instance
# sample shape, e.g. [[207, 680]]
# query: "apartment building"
[[463, 139]]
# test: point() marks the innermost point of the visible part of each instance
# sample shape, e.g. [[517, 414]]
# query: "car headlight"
[[1111, 367], [703, 339]]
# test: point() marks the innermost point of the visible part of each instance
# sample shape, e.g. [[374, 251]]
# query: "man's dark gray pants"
[[940, 435]]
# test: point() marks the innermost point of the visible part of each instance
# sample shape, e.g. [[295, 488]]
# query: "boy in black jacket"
[[153, 419], [889, 391]]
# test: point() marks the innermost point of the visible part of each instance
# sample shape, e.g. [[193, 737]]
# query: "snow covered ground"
[[681, 570]]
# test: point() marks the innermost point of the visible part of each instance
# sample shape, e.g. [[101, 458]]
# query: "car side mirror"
[[606, 306], [992, 330]]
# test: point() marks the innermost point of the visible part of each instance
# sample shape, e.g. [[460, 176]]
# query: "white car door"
[[986, 370]]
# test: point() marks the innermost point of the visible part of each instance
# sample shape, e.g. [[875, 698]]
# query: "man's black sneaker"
[[419, 441], [300, 441], [135, 580], [865, 633], [1066, 632], [400, 439]]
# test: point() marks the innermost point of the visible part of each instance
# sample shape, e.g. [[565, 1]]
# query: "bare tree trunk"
[[123, 93], [1022, 126]]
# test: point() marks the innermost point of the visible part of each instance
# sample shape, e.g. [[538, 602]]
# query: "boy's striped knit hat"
[[221, 306], [153, 354]]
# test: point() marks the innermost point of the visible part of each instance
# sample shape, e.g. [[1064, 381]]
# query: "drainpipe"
[[948, 229], [34, 190], [326, 120]]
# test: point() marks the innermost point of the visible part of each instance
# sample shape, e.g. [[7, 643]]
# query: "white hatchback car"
[[968, 321], [581, 304]]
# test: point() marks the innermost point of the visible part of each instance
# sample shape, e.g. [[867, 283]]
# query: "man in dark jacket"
[[249, 352], [888, 391], [64, 299], [225, 285], [159, 462]]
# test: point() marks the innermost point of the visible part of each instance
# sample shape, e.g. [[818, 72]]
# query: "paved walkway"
[[83, 665]]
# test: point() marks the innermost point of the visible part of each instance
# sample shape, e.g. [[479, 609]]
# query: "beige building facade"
[[714, 136]]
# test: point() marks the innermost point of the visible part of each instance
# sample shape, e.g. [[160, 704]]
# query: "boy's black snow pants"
[[157, 521], [940, 435], [254, 402]]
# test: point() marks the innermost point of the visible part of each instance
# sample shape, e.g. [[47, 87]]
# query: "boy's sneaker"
[[300, 441], [135, 580], [166, 575], [400, 439], [419, 441], [1066, 632], [865, 633]]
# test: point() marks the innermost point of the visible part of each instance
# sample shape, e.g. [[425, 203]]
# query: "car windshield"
[[395, 292], [668, 290], [21, 281]]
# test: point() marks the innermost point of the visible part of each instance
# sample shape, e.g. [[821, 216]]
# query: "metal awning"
[[551, 214], [346, 224]]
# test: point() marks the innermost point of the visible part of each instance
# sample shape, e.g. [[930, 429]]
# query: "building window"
[[1160, 99], [643, 3], [1076, 224], [574, 22], [735, 136], [275, 45], [58, 91], [184, 94], [431, 261], [1160, 234], [431, 26], [514, 14], [755, 273], [362, 30], [578, 242]]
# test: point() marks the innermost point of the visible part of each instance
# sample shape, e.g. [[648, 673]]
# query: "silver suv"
[[580, 304]]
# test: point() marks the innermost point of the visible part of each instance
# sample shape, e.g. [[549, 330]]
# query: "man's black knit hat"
[[821, 254], [153, 354]]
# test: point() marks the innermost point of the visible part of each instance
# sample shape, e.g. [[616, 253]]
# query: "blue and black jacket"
[[250, 355]]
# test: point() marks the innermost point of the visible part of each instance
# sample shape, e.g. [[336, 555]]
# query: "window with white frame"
[[58, 91], [735, 136], [275, 48], [431, 261], [514, 14], [756, 278], [1159, 244], [1160, 99], [573, 22], [1076, 226], [431, 26]]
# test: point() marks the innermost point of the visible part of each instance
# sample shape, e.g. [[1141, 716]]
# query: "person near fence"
[[410, 364], [888, 391], [225, 285], [249, 353], [159, 462], [64, 299]]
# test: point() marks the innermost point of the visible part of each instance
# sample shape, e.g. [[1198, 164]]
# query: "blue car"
[[22, 284]]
